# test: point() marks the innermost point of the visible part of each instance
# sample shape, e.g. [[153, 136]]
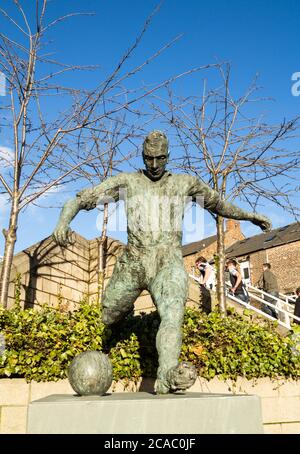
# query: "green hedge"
[[41, 343]]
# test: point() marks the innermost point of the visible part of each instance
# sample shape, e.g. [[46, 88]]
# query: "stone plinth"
[[144, 413]]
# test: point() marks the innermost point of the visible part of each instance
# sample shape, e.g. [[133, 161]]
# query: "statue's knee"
[[109, 317]]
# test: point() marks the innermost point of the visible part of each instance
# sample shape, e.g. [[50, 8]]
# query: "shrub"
[[41, 344], [234, 346]]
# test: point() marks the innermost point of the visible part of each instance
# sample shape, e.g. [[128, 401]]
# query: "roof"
[[276, 237], [197, 246]]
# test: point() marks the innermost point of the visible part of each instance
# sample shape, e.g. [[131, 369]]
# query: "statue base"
[[145, 413]]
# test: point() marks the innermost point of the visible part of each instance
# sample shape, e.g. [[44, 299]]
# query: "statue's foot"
[[178, 378], [181, 377]]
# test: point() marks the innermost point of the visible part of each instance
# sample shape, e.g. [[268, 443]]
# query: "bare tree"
[[237, 153], [42, 146]]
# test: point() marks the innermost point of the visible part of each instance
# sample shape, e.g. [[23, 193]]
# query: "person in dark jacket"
[[268, 282], [297, 306]]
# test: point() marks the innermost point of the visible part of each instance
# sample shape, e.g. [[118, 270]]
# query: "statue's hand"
[[62, 235], [263, 222]]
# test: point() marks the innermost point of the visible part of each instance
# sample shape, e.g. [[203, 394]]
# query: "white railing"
[[287, 306], [283, 315], [291, 299], [255, 309], [282, 308]]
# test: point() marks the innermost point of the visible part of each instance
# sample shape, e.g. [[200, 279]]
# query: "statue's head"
[[155, 154]]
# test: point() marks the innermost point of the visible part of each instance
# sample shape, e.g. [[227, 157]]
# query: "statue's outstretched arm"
[[107, 191], [213, 202]]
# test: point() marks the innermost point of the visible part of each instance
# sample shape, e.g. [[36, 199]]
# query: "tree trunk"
[[10, 241], [102, 254], [221, 265]]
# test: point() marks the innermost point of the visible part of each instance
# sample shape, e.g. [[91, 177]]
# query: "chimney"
[[233, 226]]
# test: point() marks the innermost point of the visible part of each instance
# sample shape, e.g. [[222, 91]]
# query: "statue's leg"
[[121, 291], [169, 292]]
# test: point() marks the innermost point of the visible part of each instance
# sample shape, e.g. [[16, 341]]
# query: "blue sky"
[[255, 36]]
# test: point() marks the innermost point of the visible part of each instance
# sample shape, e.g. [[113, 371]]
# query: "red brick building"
[[280, 248]]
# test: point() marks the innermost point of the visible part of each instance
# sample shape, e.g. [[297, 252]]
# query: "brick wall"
[[50, 274], [285, 263], [48, 271]]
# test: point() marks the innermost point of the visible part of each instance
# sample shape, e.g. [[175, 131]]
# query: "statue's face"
[[155, 159]]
